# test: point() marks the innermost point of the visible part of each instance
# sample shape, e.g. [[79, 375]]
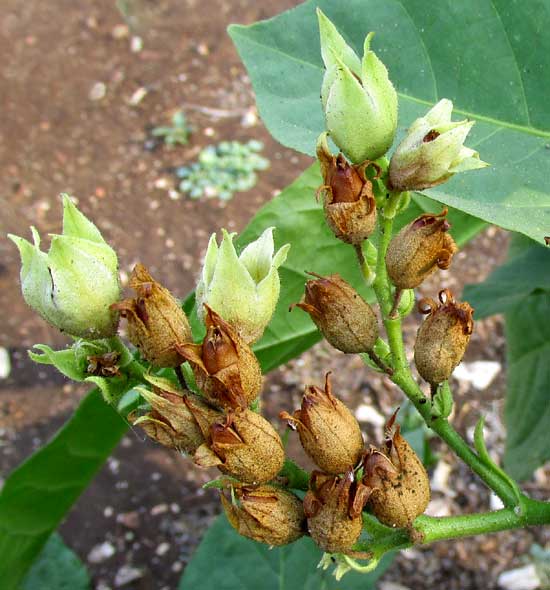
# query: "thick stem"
[[402, 377]]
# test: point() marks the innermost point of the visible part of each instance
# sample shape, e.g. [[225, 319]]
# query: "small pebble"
[[127, 574], [101, 552], [97, 91], [522, 578], [162, 549], [5, 364]]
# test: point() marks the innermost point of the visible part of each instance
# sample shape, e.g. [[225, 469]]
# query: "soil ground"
[[72, 123]]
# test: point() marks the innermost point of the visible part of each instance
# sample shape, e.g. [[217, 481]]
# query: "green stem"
[[402, 376], [429, 529]]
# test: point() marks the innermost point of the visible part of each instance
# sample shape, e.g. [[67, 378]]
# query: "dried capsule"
[[267, 514], [245, 446], [156, 321], [348, 199], [399, 484], [345, 319], [419, 249], [442, 338], [328, 431], [176, 420], [225, 368], [333, 507]]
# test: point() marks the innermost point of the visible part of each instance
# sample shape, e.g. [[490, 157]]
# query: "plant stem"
[[430, 529], [402, 377]]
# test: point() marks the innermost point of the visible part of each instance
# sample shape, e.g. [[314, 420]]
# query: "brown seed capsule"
[[267, 514], [345, 319], [399, 484], [244, 446], [225, 368], [178, 421], [328, 431], [156, 321], [442, 338], [333, 507], [348, 199], [419, 249]]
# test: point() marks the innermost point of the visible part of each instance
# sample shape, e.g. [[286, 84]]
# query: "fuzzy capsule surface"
[[155, 319], [443, 337], [245, 446], [344, 318], [177, 420], [399, 484], [328, 431], [225, 368], [348, 198], [333, 507], [267, 514], [419, 249]]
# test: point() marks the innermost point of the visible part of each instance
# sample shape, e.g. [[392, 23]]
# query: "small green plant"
[[223, 170], [178, 133]]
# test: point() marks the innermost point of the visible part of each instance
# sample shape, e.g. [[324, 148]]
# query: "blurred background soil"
[[83, 84]]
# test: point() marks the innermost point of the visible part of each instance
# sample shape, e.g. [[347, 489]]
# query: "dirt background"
[[69, 80]]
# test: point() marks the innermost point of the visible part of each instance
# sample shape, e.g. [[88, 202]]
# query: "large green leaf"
[[57, 568], [299, 221], [491, 57], [227, 561], [512, 283], [527, 412], [38, 494]]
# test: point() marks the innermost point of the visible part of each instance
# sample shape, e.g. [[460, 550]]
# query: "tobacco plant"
[[192, 379]]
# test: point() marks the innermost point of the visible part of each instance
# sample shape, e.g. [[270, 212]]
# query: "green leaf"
[[227, 561], [493, 64], [299, 220], [513, 282], [57, 568], [527, 411], [38, 494]]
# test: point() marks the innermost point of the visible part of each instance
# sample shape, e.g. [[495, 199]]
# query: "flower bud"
[[442, 338], [359, 101], [156, 321], [267, 514], [242, 289], [175, 420], [226, 370], [74, 284], [399, 484], [328, 431], [345, 319], [244, 446], [333, 507], [348, 200], [419, 249], [432, 151]]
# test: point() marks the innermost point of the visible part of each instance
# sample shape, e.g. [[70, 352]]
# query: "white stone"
[[522, 578], [495, 503], [391, 586], [366, 413], [127, 574], [101, 552], [479, 374], [162, 549], [440, 478], [5, 363], [97, 91]]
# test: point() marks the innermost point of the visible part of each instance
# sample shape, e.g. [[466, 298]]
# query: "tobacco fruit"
[[442, 338], [156, 321], [399, 484], [345, 319], [419, 249], [245, 446], [175, 419], [267, 514], [333, 507], [348, 199], [328, 431], [226, 370]]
